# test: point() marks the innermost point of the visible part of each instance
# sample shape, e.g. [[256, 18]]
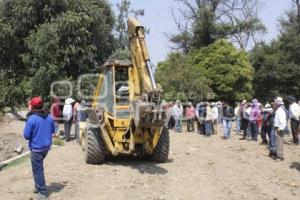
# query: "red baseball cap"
[[36, 102]]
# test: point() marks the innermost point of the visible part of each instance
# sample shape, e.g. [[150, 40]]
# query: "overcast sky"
[[159, 20]]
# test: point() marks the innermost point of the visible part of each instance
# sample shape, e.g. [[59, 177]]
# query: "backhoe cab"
[[127, 115]]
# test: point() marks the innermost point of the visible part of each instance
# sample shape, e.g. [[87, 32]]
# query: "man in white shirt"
[[215, 116], [294, 114], [68, 117], [279, 124], [178, 112]]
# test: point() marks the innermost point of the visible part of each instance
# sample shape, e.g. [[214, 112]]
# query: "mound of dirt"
[[9, 143]]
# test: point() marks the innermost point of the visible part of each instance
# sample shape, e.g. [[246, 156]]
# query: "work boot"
[[273, 155], [42, 197], [280, 159], [263, 143]]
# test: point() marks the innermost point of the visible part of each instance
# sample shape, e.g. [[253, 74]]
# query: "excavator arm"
[[147, 107], [140, 56]]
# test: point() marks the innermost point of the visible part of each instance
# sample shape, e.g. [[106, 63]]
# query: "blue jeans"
[[265, 130], [227, 128], [238, 125], [37, 163], [272, 144], [208, 128], [56, 127], [178, 125]]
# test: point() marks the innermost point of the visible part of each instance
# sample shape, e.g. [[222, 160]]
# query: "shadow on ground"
[[295, 165], [143, 165], [56, 187]]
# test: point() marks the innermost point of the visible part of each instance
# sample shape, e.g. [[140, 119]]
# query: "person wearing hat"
[[178, 110], [279, 125], [171, 122], [68, 117], [255, 115], [294, 116], [215, 116], [266, 127], [38, 131]]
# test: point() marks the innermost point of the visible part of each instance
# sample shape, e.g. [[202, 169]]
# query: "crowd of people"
[[272, 121], [68, 112]]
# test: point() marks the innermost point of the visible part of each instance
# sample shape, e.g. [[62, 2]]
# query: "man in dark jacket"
[[38, 131], [228, 117], [266, 124]]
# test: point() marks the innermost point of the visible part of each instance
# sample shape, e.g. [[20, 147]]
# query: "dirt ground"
[[198, 168], [10, 138]]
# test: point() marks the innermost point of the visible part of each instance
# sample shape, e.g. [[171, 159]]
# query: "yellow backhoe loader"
[[126, 116]]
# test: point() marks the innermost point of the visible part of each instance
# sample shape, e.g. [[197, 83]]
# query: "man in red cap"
[[38, 131]]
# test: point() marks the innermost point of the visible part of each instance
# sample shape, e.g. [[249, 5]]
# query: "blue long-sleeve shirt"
[[38, 130]]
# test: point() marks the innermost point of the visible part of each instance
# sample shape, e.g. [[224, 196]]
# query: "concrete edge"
[[6, 162], [3, 164]]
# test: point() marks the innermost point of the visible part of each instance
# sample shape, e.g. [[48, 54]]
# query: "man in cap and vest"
[[38, 131], [279, 125]]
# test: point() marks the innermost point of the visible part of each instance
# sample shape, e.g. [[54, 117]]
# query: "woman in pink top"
[[190, 115]]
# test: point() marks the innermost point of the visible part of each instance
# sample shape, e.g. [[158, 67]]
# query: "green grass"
[[17, 162], [58, 142]]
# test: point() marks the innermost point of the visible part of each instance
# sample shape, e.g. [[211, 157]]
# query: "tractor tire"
[[95, 150], [161, 151]]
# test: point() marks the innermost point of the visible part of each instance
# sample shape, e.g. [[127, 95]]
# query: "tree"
[[266, 60], [180, 80], [228, 70], [210, 20], [278, 63], [12, 95], [121, 29], [121, 24], [45, 41]]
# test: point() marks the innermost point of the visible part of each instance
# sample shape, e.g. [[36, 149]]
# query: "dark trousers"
[[208, 128], [171, 123], [245, 125], [67, 127], [264, 132], [295, 129], [254, 130], [77, 130], [37, 163], [190, 125], [201, 127]]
